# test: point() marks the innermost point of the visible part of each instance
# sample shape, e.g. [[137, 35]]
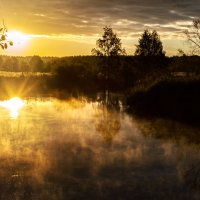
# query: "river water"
[[85, 149]]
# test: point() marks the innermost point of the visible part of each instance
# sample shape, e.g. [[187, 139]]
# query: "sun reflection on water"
[[13, 105], [74, 149]]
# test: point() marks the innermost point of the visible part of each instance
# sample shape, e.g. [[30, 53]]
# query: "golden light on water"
[[13, 105]]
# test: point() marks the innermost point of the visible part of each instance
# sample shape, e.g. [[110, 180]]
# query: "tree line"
[[149, 45], [25, 64]]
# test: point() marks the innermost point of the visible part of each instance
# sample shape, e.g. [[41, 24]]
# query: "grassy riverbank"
[[177, 99]]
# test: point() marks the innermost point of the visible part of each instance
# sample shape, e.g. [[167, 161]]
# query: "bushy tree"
[[109, 48], [109, 44], [149, 45]]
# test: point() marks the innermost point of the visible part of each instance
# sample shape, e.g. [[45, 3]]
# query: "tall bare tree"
[[193, 36]]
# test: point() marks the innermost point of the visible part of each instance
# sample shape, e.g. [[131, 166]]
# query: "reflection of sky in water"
[[79, 150]]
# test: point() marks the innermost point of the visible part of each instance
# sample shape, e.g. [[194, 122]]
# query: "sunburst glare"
[[18, 38]]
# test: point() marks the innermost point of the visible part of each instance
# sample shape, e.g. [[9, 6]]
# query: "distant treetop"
[[109, 44]]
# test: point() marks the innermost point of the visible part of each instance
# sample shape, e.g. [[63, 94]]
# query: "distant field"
[[19, 74]]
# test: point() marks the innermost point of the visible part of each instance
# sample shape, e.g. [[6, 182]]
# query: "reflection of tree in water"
[[108, 125], [109, 121], [109, 100]]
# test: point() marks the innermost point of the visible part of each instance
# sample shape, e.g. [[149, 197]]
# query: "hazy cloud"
[[85, 18], [88, 16]]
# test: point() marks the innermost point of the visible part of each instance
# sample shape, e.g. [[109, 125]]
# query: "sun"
[[13, 105], [18, 38]]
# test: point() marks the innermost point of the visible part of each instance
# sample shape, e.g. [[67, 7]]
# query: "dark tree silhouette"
[[3, 38], [193, 36], [149, 45], [109, 45]]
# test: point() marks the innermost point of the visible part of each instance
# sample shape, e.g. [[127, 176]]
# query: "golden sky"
[[71, 27]]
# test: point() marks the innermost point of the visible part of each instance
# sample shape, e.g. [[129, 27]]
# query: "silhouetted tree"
[[149, 45], [109, 45], [193, 36]]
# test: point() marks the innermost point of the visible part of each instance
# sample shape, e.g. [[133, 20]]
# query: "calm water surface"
[[80, 149]]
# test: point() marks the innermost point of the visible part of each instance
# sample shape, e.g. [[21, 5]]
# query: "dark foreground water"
[[79, 149]]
